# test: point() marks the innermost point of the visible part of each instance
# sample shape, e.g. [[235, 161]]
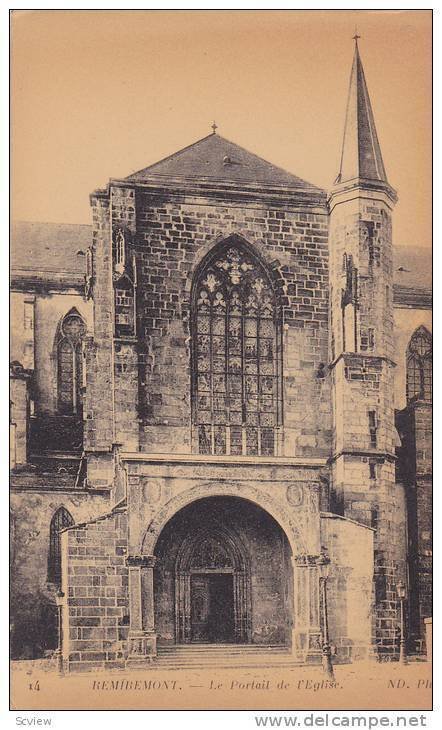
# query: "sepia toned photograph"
[[221, 360]]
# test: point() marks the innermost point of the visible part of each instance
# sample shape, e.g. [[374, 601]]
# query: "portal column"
[[306, 633], [142, 640]]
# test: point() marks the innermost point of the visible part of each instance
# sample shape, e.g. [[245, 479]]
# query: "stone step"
[[189, 649], [223, 655], [222, 662]]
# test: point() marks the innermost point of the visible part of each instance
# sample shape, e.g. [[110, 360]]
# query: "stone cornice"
[[378, 454], [25, 280], [32, 481], [258, 461], [361, 188], [349, 356], [205, 191]]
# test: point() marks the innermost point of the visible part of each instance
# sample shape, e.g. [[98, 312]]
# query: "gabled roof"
[[361, 153], [215, 158], [50, 247]]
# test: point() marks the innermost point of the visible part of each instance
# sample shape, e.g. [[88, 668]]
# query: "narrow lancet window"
[[70, 363], [61, 519], [420, 366]]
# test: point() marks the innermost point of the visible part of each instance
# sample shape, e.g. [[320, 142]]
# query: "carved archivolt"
[[242, 491]]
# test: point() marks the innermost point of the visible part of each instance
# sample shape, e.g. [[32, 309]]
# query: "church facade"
[[234, 410]]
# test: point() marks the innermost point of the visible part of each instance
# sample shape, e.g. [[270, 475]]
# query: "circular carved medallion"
[[295, 495]]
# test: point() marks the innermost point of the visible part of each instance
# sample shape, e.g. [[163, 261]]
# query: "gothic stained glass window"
[[70, 363], [236, 383], [420, 366], [61, 519]]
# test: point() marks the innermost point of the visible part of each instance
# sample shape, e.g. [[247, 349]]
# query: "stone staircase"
[[223, 655]]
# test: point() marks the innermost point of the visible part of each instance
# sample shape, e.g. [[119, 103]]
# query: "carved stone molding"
[[215, 489]]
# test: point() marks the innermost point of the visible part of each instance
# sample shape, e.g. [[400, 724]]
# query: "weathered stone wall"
[[99, 410], [350, 585], [32, 596], [22, 322], [172, 237], [19, 419], [95, 584], [151, 380], [361, 228]]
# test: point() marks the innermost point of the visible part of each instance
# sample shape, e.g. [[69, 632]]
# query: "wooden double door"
[[212, 610]]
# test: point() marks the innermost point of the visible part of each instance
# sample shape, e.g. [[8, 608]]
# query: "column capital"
[[141, 561]]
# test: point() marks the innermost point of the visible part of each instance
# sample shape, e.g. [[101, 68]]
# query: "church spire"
[[361, 155]]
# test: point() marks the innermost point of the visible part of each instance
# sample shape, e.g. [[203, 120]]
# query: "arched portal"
[[223, 575], [212, 587]]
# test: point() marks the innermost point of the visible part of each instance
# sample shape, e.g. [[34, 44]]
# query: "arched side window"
[[420, 366], [61, 519], [70, 363], [236, 354]]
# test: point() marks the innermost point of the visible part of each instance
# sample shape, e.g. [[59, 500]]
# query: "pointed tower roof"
[[216, 159], [361, 155]]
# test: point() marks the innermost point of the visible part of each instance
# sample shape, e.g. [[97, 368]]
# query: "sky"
[[101, 94]]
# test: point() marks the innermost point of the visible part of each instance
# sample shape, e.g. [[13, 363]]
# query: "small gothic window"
[[236, 352], [70, 363], [61, 519], [120, 249], [420, 366], [89, 277]]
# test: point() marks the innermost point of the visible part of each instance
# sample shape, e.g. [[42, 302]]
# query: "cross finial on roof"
[[356, 36], [214, 127]]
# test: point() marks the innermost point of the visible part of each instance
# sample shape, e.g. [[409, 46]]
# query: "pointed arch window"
[[70, 363], [236, 356], [420, 366], [61, 519]]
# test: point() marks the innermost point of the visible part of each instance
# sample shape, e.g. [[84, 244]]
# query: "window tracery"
[[420, 366], [236, 353], [70, 363]]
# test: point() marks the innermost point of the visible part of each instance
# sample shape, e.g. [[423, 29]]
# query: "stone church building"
[[219, 389]]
